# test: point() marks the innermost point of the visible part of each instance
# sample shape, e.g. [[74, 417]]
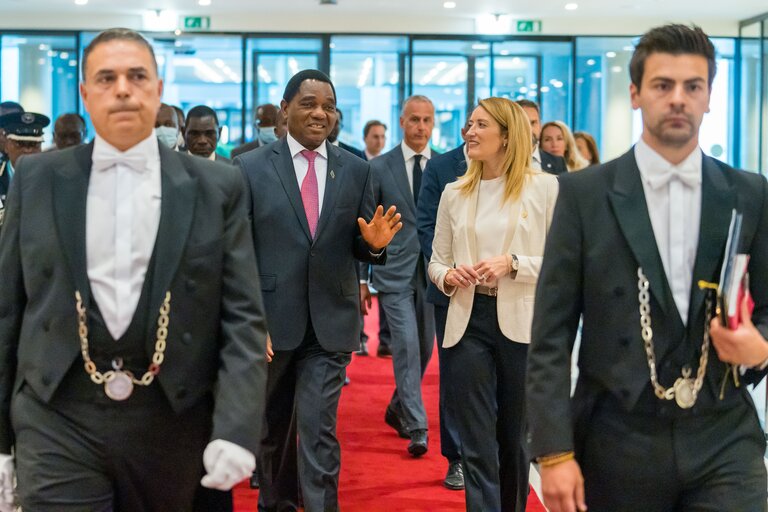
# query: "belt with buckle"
[[485, 290]]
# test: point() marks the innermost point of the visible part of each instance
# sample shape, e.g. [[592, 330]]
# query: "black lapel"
[[177, 207], [628, 201], [333, 180], [70, 190], [397, 168], [283, 164], [717, 201]]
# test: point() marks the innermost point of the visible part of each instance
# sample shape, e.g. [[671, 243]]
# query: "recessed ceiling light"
[[204, 2], [449, 5], [81, 2], [571, 7], [610, 55]]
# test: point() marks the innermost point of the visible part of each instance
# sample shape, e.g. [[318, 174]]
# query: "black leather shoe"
[[454, 479], [363, 349], [418, 445], [392, 419], [383, 351]]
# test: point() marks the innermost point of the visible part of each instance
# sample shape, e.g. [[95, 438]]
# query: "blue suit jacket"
[[552, 164], [440, 171], [305, 279]]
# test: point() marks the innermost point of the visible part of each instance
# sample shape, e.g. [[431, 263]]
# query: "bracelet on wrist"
[[555, 459]]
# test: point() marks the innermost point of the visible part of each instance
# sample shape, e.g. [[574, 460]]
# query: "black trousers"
[[303, 386], [449, 434], [488, 393], [704, 463], [89, 455]]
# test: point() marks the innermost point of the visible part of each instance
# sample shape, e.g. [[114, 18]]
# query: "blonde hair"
[[573, 159], [516, 166]]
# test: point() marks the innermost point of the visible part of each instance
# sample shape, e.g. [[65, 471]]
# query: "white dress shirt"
[[122, 219], [536, 158], [674, 206], [408, 155], [301, 166]]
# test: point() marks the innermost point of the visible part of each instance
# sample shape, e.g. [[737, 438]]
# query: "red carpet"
[[377, 474]]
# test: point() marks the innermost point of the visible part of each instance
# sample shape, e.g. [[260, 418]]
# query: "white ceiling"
[[670, 9]]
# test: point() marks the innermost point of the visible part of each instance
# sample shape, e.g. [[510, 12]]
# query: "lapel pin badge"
[[333, 174]]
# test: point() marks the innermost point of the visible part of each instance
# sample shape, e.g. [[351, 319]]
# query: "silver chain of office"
[[685, 390]]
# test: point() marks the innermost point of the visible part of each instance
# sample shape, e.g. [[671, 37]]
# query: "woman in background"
[[487, 252], [557, 139], [587, 147]]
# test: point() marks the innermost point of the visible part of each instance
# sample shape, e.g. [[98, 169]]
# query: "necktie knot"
[[309, 155], [688, 175]]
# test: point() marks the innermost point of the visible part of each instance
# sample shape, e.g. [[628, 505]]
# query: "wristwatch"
[[515, 266]]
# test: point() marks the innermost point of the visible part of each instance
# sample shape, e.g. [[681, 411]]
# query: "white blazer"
[[455, 244]]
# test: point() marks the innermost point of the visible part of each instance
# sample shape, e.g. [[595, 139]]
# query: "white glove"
[[227, 465], [6, 483]]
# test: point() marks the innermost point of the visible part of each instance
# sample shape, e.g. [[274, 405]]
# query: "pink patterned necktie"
[[309, 194]]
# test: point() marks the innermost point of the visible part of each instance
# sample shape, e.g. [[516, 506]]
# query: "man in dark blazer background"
[[540, 159], [658, 421], [170, 327], [310, 204], [202, 133], [440, 171]]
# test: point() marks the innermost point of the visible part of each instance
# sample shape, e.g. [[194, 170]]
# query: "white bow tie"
[[688, 175], [104, 158]]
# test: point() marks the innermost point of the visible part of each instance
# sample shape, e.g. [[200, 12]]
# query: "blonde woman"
[[557, 139], [487, 251]]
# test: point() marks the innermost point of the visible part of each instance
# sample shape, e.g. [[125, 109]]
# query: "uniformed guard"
[[24, 136]]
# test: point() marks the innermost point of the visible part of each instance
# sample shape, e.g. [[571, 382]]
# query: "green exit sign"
[[196, 22], [528, 26]]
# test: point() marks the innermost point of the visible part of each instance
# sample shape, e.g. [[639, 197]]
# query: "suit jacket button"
[[625, 393], [624, 340], [191, 285], [181, 393], [186, 338], [312, 253], [618, 291], [46, 380]]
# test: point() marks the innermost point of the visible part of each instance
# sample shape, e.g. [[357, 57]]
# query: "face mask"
[[267, 135], [168, 135]]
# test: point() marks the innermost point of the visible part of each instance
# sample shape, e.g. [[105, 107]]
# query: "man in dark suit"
[[657, 422], [266, 129], [402, 283], [540, 159], [202, 133], [440, 171], [309, 202], [132, 344]]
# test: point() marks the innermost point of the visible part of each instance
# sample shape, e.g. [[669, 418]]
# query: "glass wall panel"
[[276, 60], [366, 72], [716, 134], [603, 106], [441, 71], [536, 70], [40, 73], [751, 97]]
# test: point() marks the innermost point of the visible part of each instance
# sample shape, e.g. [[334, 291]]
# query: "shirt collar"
[[295, 147], [408, 153], [650, 162], [147, 148], [536, 155]]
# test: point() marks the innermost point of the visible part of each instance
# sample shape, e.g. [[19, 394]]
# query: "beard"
[[674, 136]]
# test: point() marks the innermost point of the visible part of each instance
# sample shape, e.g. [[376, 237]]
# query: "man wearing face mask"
[[167, 126], [265, 129]]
